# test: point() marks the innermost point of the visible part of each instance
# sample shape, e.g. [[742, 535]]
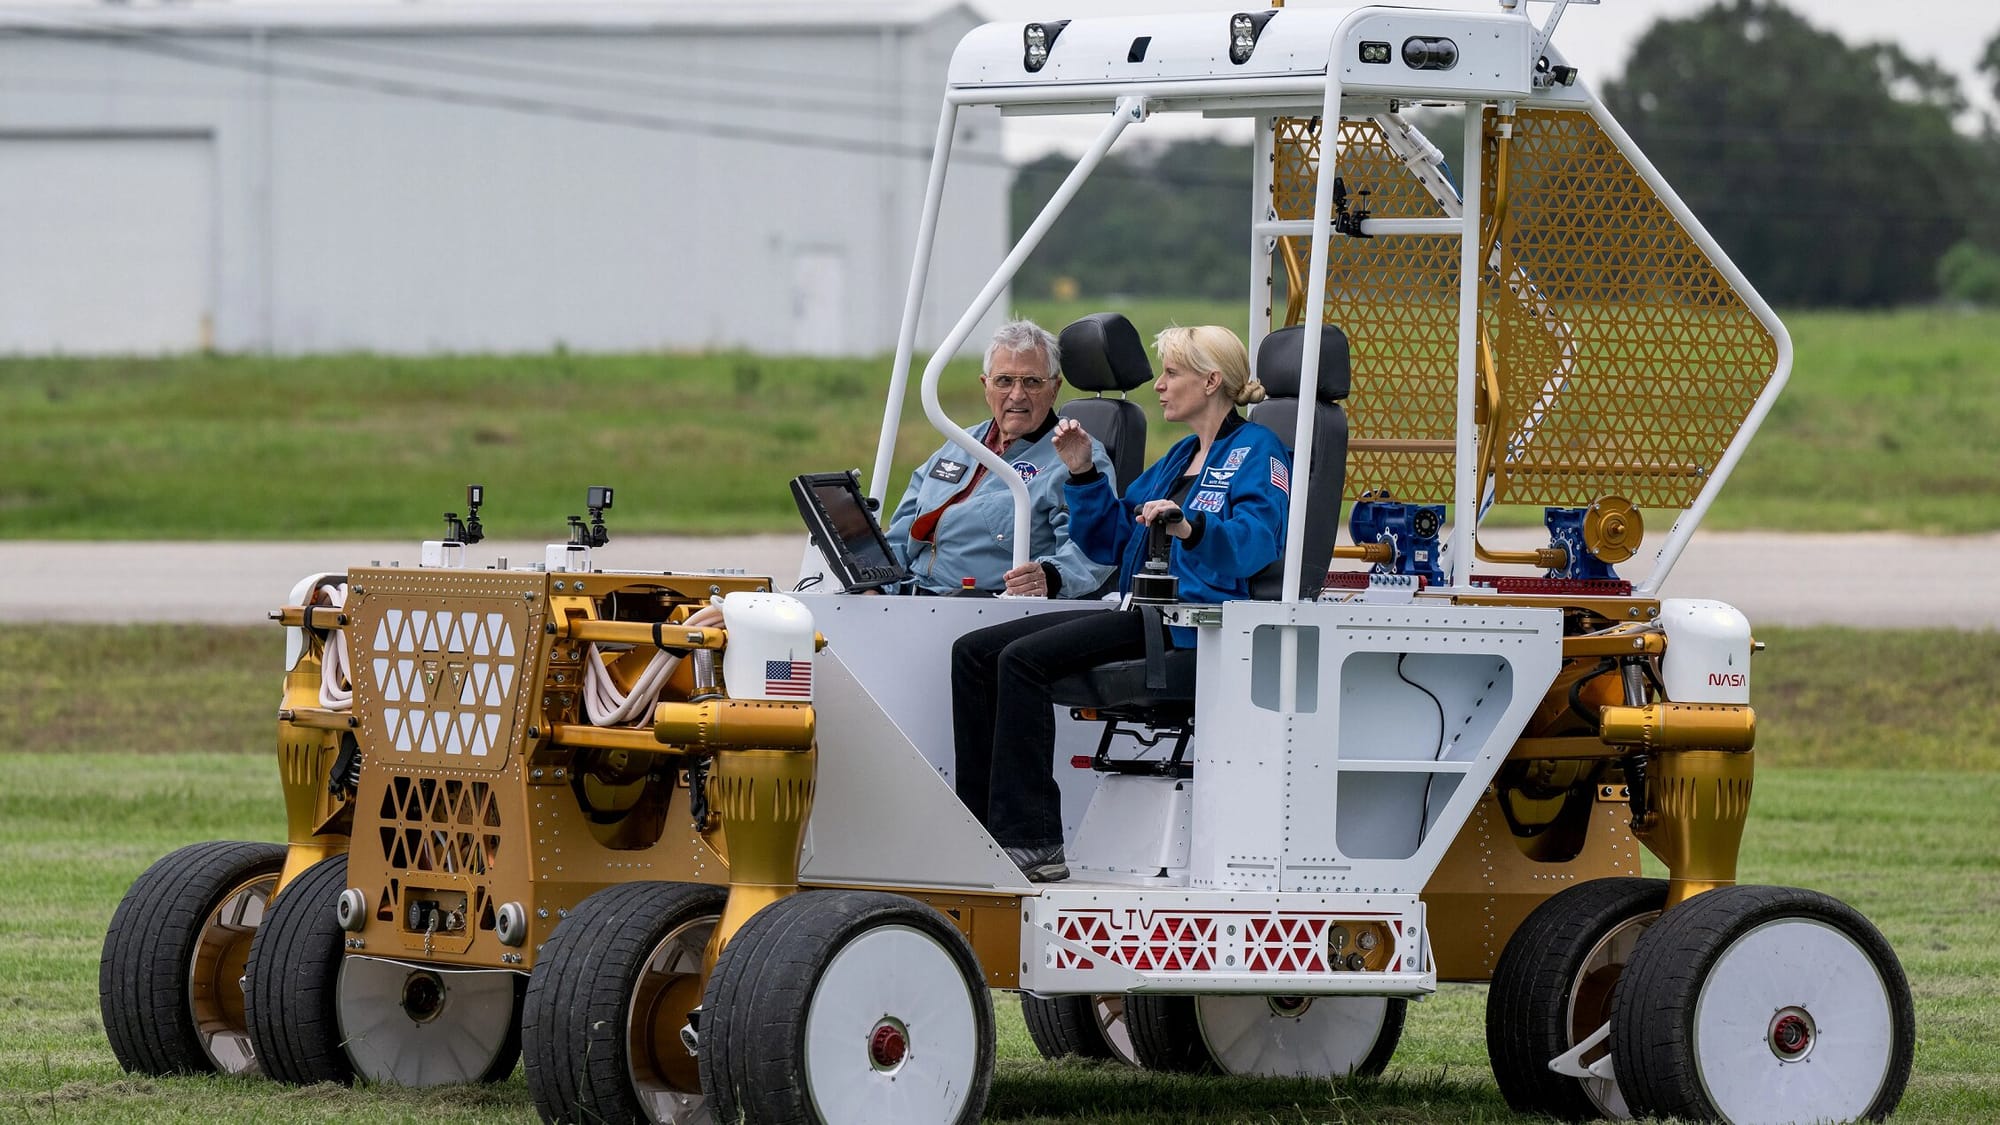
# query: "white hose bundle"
[[336, 686], [606, 706]]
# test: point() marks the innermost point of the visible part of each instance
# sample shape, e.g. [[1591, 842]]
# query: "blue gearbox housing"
[[1410, 530], [1566, 531]]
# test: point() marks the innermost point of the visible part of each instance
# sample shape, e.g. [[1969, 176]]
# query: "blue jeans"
[[1003, 719]]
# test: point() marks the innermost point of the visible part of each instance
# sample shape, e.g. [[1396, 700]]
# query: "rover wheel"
[[846, 1007], [1300, 1036], [417, 1026], [293, 972], [1166, 1035], [601, 1023], [1552, 989], [1763, 1004], [1090, 1027], [169, 983]]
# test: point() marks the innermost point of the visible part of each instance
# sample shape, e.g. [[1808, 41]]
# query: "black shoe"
[[1040, 865]]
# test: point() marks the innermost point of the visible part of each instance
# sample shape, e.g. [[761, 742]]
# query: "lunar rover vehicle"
[[685, 843]]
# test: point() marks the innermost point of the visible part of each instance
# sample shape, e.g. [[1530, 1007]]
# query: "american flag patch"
[[788, 677], [1281, 477]]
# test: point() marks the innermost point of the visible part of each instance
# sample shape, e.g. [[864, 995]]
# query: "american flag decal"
[[1281, 477], [788, 677]]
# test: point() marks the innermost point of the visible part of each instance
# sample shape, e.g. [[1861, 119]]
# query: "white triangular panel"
[[506, 641], [426, 732], [390, 690], [381, 636], [491, 733]]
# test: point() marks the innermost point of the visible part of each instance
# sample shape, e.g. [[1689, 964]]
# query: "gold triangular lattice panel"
[[1625, 358]]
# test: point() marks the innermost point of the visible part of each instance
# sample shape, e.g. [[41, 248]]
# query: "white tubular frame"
[[913, 302], [1465, 486], [1129, 110], [1130, 103]]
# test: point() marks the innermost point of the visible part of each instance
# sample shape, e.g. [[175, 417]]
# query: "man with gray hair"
[[956, 522]]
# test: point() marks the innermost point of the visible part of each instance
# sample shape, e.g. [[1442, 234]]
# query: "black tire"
[[1553, 986], [294, 974], [1065, 1026], [1743, 941], [1166, 1034], [764, 995], [163, 1015], [576, 1018]]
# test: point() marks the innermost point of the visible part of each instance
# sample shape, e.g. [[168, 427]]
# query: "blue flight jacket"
[[1236, 510], [975, 537]]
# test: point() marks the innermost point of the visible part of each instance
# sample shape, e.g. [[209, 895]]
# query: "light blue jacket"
[[975, 537]]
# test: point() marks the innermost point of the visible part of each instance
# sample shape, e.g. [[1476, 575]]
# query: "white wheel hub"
[[415, 1026], [1793, 1024], [892, 1032], [1291, 1036]]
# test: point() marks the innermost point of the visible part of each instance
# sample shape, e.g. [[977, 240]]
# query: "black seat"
[[1117, 692], [1102, 353], [1280, 362]]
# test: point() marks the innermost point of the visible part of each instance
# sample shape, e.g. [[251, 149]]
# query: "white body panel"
[[899, 650], [1137, 828], [1335, 795], [1223, 883], [1708, 652], [770, 653], [1094, 939]]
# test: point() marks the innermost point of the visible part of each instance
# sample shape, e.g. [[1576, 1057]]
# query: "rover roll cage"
[[1640, 415]]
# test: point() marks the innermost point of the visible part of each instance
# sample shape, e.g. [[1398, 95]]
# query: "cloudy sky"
[[1597, 37]]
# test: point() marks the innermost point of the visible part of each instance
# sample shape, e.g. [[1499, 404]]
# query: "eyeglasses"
[[1033, 384]]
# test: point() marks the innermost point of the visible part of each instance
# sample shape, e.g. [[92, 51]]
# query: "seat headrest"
[[1103, 352], [1281, 357]]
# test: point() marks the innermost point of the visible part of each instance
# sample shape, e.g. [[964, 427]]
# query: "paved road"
[[1872, 580]]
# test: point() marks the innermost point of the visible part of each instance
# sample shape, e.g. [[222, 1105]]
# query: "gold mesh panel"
[[1625, 359], [1663, 360], [440, 824], [1397, 300]]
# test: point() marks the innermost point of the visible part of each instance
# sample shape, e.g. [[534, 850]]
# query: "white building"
[[479, 175]]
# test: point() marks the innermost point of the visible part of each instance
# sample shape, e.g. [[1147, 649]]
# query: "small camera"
[[599, 497]]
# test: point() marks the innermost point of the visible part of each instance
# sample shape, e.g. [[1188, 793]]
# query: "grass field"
[[119, 744], [1886, 425]]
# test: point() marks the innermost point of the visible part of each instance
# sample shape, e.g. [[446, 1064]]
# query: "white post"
[[1261, 210], [1127, 111], [1465, 497], [1302, 436], [913, 299]]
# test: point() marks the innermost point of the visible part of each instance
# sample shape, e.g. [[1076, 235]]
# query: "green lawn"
[[1886, 425], [119, 744]]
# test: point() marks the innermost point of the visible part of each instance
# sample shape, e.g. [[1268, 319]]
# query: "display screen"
[[844, 529], [853, 524]]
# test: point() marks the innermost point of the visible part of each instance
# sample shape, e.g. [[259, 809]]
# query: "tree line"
[[1832, 174]]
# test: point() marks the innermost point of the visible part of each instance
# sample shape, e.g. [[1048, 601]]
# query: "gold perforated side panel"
[[1397, 300], [1626, 360], [1664, 358]]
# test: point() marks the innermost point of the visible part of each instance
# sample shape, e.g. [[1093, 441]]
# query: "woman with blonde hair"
[[1230, 478]]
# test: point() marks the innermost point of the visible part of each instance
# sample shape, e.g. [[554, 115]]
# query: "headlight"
[[1036, 39], [1244, 28]]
